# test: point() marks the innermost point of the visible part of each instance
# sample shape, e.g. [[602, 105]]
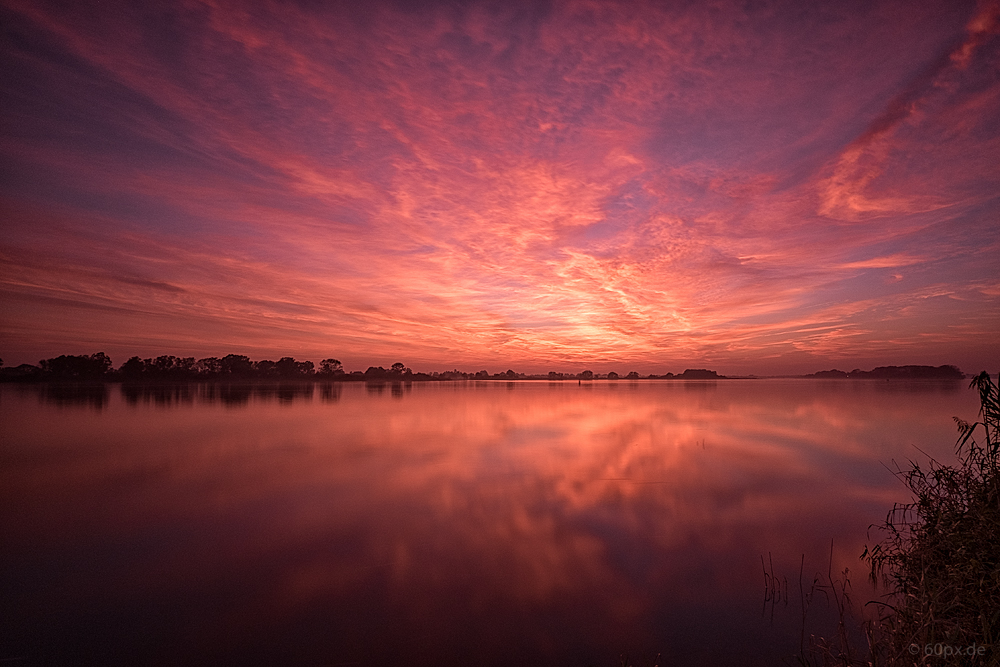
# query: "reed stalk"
[[939, 558]]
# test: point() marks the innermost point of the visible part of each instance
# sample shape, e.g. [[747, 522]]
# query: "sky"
[[751, 187]]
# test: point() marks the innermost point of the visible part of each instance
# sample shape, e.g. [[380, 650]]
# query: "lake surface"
[[469, 523]]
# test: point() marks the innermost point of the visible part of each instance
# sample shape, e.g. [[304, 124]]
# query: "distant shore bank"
[[168, 369]]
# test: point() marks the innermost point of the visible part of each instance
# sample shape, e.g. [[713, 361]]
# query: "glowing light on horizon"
[[656, 187]]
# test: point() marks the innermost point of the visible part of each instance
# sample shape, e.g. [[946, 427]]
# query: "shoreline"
[[317, 379]]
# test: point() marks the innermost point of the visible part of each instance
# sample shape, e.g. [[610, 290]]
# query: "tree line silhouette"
[[97, 367], [895, 373]]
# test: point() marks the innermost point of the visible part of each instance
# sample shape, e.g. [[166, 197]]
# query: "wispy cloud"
[[580, 183]]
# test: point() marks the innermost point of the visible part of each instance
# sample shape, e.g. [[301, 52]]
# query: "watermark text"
[[946, 650]]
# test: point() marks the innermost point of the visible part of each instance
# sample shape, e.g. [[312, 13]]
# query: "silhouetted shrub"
[[940, 557]]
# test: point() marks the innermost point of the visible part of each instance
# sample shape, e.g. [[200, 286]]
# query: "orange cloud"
[[660, 186]]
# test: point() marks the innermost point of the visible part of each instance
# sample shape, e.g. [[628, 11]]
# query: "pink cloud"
[[652, 186]]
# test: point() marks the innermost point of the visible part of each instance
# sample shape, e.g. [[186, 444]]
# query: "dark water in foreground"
[[471, 523]]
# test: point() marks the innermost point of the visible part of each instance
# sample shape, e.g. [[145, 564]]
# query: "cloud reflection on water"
[[473, 521]]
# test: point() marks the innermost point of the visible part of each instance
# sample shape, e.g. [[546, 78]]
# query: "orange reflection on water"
[[483, 522]]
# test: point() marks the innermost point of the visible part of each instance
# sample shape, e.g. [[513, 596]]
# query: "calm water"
[[527, 523]]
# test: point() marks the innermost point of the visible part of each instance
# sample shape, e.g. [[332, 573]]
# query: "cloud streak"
[[585, 184]]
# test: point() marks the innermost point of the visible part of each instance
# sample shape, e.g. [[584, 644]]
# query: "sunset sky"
[[752, 187]]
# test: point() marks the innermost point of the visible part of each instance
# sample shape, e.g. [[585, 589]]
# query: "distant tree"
[[168, 366], [375, 372], [209, 366], [833, 373], [483, 375], [133, 369], [699, 374], [399, 369], [159, 366], [265, 368], [331, 367], [76, 367], [555, 376], [510, 374], [236, 364], [586, 375], [101, 363], [632, 376], [612, 375], [183, 367], [910, 373], [288, 367]]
